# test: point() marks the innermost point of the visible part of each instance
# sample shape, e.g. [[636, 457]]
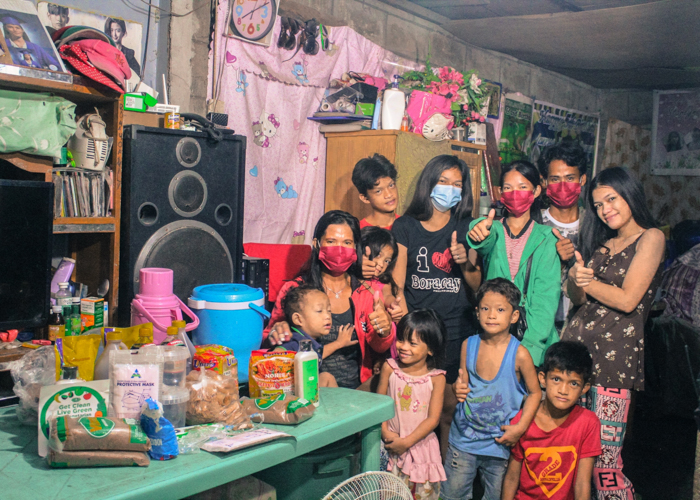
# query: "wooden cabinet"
[[93, 241], [409, 152]]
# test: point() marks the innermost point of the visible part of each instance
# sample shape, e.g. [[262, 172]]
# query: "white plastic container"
[[393, 107], [306, 373], [175, 358], [114, 343], [175, 406]]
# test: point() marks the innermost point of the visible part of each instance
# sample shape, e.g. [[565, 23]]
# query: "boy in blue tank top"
[[496, 374]]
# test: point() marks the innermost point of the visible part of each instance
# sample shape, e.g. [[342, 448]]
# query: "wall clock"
[[253, 20]]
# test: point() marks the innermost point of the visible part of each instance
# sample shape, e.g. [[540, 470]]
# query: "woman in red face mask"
[[518, 243], [361, 330]]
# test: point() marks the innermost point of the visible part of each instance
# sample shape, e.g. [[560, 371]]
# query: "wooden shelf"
[[75, 92], [84, 225]]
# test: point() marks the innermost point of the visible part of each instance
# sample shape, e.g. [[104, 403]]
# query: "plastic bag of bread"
[[214, 399], [280, 409], [96, 458], [96, 433]]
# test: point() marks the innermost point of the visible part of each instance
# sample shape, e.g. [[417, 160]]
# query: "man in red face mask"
[[563, 169]]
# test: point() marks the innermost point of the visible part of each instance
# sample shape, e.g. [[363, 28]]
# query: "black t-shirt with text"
[[433, 279]]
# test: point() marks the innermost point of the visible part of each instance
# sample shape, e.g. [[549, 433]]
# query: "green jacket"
[[542, 298]]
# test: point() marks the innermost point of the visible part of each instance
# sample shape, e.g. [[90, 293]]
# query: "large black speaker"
[[182, 209]]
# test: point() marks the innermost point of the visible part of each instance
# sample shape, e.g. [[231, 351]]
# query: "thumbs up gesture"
[[482, 230], [369, 268], [459, 253], [461, 386], [565, 247], [395, 310], [579, 273], [380, 319]]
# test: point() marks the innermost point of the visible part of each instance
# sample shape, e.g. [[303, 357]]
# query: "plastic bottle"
[[62, 274], [57, 326], [182, 335], [306, 373], [114, 343], [404, 123], [64, 298], [74, 320], [393, 106], [69, 375]]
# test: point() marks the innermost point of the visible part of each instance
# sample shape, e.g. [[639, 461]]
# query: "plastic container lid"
[[176, 397], [57, 309], [227, 292]]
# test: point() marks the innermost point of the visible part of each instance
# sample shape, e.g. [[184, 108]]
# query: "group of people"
[[515, 337]]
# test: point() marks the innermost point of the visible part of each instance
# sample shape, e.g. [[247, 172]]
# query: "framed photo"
[[675, 133], [494, 90], [25, 41]]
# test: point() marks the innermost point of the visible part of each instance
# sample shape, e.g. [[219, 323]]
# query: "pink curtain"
[[269, 93]]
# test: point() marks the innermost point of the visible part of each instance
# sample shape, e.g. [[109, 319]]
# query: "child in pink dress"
[[417, 387]]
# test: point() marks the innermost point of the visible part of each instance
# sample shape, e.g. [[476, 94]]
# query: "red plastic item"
[[41, 342], [9, 335]]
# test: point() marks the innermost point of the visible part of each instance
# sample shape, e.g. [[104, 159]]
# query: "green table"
[[343, 412]]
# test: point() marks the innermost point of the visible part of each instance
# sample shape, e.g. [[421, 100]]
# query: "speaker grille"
[[187, 193], [193, 250]]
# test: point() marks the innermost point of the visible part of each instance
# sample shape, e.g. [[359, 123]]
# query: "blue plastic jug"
[[230, 314]]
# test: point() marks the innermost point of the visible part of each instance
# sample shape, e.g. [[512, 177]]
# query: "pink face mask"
[[518, 202], [337, 259], [564, 194]]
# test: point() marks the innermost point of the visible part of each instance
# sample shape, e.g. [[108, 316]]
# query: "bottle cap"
[[179, 323], [144, 331], [114, 336], [172, 330], [70, 373], [57, 309], [63, 284], [76, 300], [304, 346]]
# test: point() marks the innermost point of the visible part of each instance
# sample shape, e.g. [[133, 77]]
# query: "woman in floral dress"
[[614, 282]]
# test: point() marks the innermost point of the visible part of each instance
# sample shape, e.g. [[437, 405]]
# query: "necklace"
[[625, 239], [337, 294]]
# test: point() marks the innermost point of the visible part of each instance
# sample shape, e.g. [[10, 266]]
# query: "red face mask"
[[337, 259], [517, 202], [564, 194]]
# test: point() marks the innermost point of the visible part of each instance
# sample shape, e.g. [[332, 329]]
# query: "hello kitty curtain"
[[269, 93]]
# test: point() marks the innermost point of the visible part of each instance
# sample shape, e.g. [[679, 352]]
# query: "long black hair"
[[311, 272], [595, 232], [530, 172], [421, 207], [428, 327], [377, 238]]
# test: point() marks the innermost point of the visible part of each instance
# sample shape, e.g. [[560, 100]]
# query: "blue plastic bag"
[[159, 430]]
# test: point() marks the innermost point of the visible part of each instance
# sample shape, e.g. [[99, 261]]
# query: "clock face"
[[253, 19]]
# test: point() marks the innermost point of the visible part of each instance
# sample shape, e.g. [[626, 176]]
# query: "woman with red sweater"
[[361, 331]]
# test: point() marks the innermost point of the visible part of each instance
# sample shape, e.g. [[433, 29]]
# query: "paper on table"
[[243, 440]]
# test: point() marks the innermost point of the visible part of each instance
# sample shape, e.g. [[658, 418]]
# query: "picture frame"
[[494, 91], [675, 133], [25, 42]]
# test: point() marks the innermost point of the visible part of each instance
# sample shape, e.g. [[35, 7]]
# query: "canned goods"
[[172, 120]]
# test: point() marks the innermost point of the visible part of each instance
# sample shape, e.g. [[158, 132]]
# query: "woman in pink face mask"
[[361, 330], [518, 242]]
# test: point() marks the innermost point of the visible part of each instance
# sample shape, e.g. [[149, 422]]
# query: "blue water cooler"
[[232, 315]]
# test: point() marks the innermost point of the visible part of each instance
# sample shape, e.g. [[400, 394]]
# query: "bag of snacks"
[[216, 358], [271, 373], [96, 458], [280, 409], [96, 433], [214, 398]]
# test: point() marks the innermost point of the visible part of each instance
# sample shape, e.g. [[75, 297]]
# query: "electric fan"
[[371, 486]]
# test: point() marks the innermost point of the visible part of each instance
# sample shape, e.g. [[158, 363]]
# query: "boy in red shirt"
[[375, 179], [554, 458]]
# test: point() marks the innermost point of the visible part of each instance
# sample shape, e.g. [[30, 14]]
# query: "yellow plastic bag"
[[80, 351]]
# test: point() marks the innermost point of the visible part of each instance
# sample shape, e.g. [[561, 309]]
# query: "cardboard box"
[[92, 313]]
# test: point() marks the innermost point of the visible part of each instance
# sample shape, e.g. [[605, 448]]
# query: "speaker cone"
[[187, 193], [188, 152]]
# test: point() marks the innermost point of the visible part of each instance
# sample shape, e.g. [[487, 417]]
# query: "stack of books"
[[79, 192], [338, 121]]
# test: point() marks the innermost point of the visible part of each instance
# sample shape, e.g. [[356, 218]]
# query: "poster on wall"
[[517, 121], [552, 124], [126, 34], [675, 146], [24, 41], [493, 92]]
